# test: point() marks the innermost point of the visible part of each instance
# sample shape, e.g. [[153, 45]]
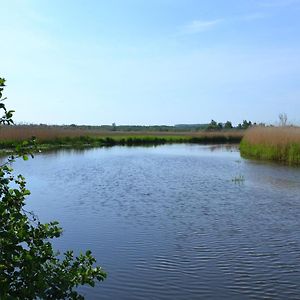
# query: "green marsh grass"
[[64, 136], [280, 144]]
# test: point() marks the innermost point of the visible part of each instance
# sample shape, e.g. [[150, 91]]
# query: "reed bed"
[[272, 143], [65, 135]]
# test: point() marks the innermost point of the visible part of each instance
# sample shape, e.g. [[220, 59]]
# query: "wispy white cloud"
[[197, 26], [278, 3], [253, 16]]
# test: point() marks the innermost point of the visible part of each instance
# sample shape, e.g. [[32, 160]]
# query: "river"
[[174, 221]]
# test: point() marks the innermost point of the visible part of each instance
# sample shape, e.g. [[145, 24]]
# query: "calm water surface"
[[169, 223]]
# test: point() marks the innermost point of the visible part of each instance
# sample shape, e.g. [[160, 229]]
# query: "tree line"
[[213, 125]]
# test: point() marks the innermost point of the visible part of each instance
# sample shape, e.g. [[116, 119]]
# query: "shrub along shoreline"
[[279, 144]]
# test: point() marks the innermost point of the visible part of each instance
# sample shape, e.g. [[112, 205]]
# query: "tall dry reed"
[[272, 143], [48, 133], [273, 135]]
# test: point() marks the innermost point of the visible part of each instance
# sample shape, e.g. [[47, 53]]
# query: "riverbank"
[[60, 137], [279, 144]]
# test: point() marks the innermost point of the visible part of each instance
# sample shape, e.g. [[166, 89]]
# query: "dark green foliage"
[[29, 266], [228, 125], [213, 125], [246, 124], [7, 116]]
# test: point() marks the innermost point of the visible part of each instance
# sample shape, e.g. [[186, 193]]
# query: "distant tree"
[[220, 126], [114, 126], [228, 125], [283, 119], [246, 124], [213, 125]]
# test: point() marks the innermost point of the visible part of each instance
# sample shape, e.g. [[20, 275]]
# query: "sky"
[[151, 61]]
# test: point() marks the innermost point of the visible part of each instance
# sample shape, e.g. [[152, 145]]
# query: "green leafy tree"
[[228, 125], [29, 266], [213, 125], [246, 124]]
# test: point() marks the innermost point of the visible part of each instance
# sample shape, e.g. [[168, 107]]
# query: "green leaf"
[[33, 270]]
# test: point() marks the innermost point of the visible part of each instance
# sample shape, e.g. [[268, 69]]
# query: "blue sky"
[[151, 61]]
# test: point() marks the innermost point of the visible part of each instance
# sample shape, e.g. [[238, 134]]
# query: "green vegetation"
[[178, 128], [280, 144], [238, 179], [287, 154], [49, 137], [228, 125], [55, 136], [29, 266], [124, 140], [213, 125], [245, 125]]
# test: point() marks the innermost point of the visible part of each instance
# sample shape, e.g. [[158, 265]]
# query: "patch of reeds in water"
[[272, 143]]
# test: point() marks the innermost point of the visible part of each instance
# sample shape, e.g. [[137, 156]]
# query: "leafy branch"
[[29, 266]]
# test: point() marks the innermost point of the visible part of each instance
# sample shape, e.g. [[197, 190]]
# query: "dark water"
[[169, 222]]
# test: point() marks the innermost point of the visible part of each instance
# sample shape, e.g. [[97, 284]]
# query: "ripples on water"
[[169, 222]]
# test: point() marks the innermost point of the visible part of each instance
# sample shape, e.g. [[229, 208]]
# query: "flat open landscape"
[[150, 150], [59, 136]]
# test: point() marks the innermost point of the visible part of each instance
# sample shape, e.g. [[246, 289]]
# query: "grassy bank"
[[58, 136], [281, 144]]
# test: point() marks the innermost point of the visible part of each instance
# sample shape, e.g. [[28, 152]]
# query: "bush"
[[29, 266]]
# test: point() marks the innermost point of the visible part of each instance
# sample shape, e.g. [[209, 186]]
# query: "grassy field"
[[272, 143], [65, 136]]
